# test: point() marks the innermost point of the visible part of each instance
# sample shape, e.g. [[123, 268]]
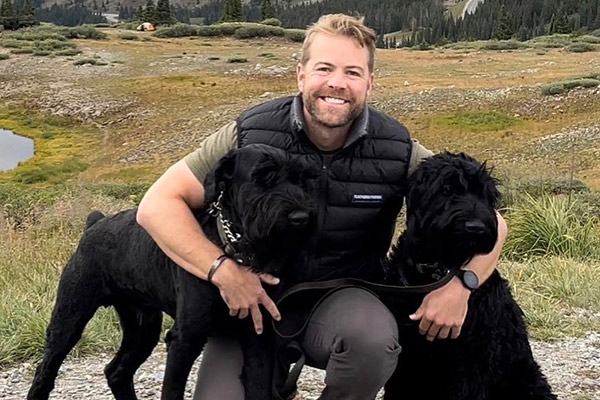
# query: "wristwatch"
[[468, 278]]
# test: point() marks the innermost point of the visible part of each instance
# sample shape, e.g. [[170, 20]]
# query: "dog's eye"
[[447, 190]]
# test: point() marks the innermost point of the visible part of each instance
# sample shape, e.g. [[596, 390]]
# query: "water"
[[13, 149]]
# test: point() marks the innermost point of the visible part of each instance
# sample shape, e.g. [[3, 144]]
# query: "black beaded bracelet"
[[215, 266]]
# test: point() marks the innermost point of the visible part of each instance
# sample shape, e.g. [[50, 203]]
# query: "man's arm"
[[165, 212], [443, 311]]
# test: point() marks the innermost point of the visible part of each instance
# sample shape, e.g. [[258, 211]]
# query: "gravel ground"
[[571, 365]]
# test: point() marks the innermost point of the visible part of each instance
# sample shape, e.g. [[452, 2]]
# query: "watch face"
[[470, 279]]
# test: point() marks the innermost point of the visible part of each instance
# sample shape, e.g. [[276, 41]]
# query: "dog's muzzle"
[[299, 219]]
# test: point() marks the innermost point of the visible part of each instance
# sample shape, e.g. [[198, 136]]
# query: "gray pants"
[[351, 335]]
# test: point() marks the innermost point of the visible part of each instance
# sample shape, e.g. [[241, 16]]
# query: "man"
[[363, 158]]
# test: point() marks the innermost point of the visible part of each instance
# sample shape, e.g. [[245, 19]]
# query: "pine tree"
[[266, 9], [232, 11], [8, 16], [139, 14], [503, 29], [560, 23], [163, 13], [150, 12], [28, 15]]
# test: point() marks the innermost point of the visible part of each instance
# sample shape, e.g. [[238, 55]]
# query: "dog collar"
[[226, 234]]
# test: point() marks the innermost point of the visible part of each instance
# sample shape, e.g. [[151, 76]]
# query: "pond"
[[13, 149]]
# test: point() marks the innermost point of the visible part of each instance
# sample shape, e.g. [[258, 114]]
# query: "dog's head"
[[451, 213], [263, 195]]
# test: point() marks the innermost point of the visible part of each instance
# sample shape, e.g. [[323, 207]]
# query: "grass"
[[60, 146], [477, 121]]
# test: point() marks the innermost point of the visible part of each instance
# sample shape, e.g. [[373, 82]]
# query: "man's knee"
[[364, 327]]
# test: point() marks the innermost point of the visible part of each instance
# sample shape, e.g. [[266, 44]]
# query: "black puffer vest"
[[359, 188]]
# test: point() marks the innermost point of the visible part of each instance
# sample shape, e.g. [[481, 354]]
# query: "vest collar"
[[359, 128]]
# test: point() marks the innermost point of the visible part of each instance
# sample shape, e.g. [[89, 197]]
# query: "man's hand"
[[443, 311], [242, 291]]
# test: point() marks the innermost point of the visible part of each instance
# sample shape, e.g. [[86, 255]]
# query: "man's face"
[[336, 80]]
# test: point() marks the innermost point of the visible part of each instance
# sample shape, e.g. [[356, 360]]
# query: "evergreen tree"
[[139, 14], [380, 43], [266, 9], [503, 29], [560, 23], [149, 14], [28, 15], [232, 11], [8, 17], [163, 13]]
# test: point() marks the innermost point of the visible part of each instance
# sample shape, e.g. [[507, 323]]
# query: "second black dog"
[[451, 217], [265, 217]]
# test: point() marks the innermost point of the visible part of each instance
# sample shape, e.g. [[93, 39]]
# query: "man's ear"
[[220, 177], [300, 76]]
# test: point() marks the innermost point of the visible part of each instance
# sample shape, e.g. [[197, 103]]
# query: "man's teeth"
[[334, 100]]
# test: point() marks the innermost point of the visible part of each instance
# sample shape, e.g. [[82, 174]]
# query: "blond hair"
[[341, 25]]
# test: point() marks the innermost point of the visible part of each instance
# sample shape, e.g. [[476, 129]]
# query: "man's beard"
[[325, 117]]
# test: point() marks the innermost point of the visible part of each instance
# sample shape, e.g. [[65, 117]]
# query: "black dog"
[[451, 217], [257, 202]]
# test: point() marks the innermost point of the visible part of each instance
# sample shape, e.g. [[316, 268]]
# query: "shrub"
[[588, 39], [83, 32], [267, 55], [548, 226], [1, 28], [177, 30], [13, 44], [256, 30], [581, 47], [237, 60], [131, 26], [208, 31], [502, 45], [102, 25], [4, 56], [23, 50], [422, 46], [227, 28], [271, 22], [91, 61], [213, 58], [52, 44], [295, 35], [41, 53], [128, 36], [564, 86], [68, 52], [552, 41]]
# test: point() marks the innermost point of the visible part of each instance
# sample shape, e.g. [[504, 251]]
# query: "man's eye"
[[353, 73], [323, 69]]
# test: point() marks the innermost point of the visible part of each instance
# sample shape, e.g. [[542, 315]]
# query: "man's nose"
[[337, 80]]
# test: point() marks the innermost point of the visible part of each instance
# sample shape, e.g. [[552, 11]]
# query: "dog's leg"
[[141, 331], [523, 380], [76, 303], [259, 358], [187, 337]]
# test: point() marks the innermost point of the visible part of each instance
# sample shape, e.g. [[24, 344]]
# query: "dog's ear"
[[268, 171], [490, 185], [217, 180]]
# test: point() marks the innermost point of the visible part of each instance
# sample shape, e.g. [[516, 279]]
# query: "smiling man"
[[361, 158]]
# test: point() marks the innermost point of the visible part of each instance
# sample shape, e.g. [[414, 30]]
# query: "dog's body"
[[118, 264], [451, 218]]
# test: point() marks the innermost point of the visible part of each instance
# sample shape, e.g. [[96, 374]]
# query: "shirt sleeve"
[[419, 153], [205, 158]]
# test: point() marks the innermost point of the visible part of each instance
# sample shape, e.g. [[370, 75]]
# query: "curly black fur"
[[451, 218], [118, 264]]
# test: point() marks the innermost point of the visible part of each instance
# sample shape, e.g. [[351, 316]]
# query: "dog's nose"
[[474, 226], [298, 218]]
